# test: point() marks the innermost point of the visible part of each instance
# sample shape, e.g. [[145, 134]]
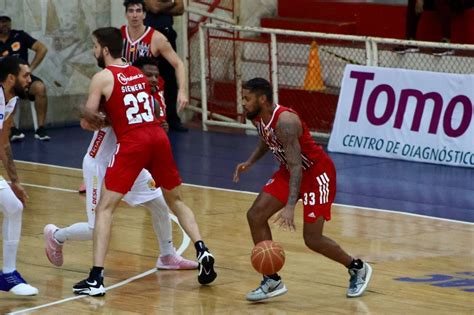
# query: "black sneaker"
[[206, 268], [41, 134], [92, 287], [16, 134], [406, 49]]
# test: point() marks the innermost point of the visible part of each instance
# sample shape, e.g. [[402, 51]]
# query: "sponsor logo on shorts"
[[97, 142], [151, 184], [94, 196], [269, 182], [311, 215]]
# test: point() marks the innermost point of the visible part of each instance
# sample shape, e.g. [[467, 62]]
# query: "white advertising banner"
[[405, 114]]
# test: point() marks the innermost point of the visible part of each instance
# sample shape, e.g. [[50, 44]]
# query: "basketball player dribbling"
[[143, 192], [306, 172], [141, 143], [14, 82]]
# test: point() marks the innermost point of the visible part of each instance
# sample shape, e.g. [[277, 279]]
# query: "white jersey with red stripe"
[[6, 109], [103, 145]]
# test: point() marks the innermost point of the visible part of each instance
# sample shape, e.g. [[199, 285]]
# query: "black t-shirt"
[[158, 21], [17, 45]]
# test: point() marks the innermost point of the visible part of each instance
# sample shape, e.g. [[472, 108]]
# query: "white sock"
[[76, 232], [10, 249], [12, 210], [161, 222]]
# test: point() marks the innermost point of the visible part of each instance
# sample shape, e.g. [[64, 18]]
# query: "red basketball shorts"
[[317, 190], [142, 148]]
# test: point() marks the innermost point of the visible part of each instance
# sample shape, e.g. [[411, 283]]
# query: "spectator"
[[160, 16], [17, 43], [445, 9]]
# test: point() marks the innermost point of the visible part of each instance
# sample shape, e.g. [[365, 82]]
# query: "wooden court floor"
[[421, 265]]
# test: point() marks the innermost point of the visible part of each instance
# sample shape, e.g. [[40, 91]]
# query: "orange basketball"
[[268, 257]]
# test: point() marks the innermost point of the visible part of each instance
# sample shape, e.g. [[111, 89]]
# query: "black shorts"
[[34, 78]]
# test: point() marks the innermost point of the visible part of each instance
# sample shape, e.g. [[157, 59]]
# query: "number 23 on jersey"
[[139, 109]]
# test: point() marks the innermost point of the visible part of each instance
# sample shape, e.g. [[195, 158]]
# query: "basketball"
[[267, 257]]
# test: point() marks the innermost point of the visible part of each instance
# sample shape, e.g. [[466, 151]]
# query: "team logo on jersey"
[[16, 46], [124, 79], [143, 50]]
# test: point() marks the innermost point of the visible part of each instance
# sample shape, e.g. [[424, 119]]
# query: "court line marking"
[[186, 239], [254, 193], [184, 244]]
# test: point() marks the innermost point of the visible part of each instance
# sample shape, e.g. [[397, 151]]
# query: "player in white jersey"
[[100, 151], [15, 80]]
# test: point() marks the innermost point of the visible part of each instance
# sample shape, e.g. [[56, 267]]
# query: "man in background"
[[17, 43], [160, 16]]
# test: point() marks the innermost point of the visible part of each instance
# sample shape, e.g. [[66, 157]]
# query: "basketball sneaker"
[[268, 288], [92, 287], [206, 267], [53, 249], [175, 262], [359, 280], [14, 283]]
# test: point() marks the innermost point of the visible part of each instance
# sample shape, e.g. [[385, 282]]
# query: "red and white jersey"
[[103, 145], [311, 153], [6, 108], [132, 50], [159, 97], [130, 105]]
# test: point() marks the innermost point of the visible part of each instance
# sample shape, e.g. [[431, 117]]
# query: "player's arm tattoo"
[[259, 151], [288, 130], [9, 164]]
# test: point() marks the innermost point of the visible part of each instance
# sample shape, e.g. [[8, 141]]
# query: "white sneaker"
[[359, 280], [268, 288], [14, 283]]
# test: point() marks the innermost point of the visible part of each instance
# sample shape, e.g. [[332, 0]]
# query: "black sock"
[[355, 264], [200, 247], [96, 272], [274, 276]]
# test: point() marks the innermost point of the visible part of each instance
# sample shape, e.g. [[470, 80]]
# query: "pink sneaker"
[[54, 251], [175, 262]]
